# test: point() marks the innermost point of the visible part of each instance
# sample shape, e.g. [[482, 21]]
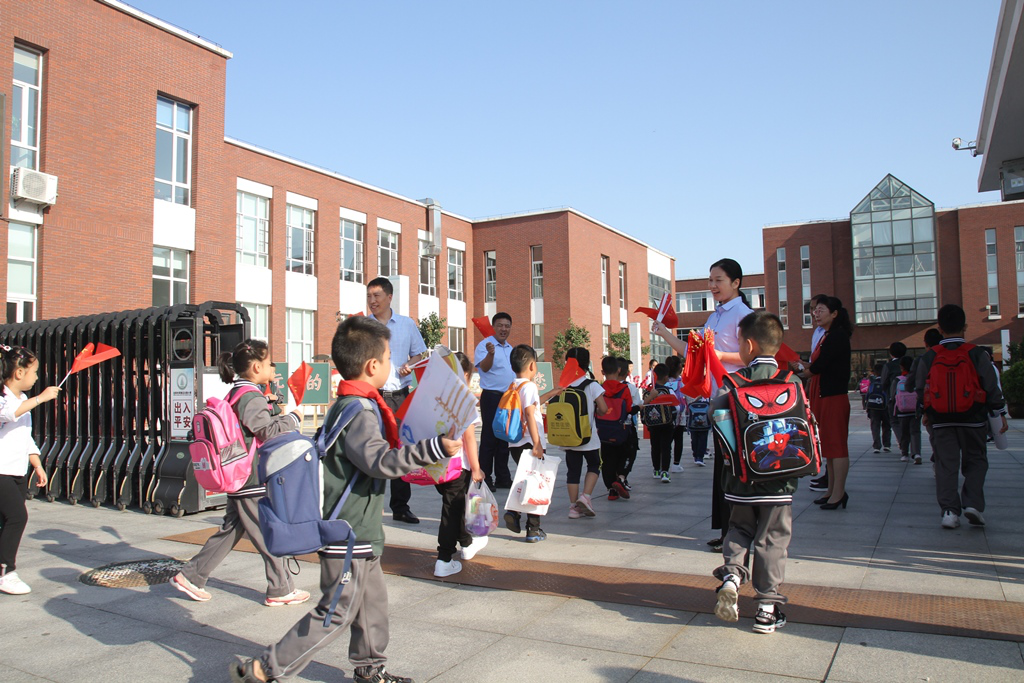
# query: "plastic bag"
[[438, 473], [481, 510], [534, 480]]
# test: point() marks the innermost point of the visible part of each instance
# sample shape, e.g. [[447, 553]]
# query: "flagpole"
[[64, 380]]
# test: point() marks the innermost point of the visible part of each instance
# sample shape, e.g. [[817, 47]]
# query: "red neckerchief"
[[366, 390]]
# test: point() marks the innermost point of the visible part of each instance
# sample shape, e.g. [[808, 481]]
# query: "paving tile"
[[669, 671]]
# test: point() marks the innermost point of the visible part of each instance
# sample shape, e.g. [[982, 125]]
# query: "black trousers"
[[401, 491], [613, 461], [661, 447], [13, 518], [678, 432], [720, 508], [493, 451], [452, 530]]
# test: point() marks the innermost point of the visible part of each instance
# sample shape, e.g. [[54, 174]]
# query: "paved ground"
[[887, 543]]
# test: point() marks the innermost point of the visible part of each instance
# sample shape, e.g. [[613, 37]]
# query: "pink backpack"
[[220, 460]]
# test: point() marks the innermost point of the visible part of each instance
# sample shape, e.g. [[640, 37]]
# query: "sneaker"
[[665, 478], [917, 459], [974, 517], [12, 584], [878, 450], [886, 449], [657, 474], [767, 622], [242, 672], [376, 674], [904, 458], [715, 545], [574, 512], [443, 569], [296, 597], [728, 592], [535, 535], [625, 483], [512, 522], [613, 494], [470, 551], [699, 462], [950, 520], [620, 488], [584, 504], [676, 467], [190, 589]]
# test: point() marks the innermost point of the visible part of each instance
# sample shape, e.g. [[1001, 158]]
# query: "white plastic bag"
[[481, 510], [999, 440], [534, 480]]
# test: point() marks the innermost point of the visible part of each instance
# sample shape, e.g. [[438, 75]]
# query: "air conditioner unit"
[[33, 186], [430, 250]]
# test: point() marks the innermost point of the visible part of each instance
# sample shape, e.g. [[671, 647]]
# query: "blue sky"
[[689, 125]]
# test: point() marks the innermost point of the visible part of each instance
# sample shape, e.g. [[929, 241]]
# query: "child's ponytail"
[[12, 358], [238, 362]]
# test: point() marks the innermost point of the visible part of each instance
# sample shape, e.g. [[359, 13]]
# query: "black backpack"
[[875, 398]]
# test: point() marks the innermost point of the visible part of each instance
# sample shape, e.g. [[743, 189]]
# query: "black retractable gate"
[[118, 433]]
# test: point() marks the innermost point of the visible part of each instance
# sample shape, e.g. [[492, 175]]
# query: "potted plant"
[[1013, 389]]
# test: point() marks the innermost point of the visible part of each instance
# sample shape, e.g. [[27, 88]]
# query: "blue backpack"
[[697, 415], [291, 514], [508, 418]]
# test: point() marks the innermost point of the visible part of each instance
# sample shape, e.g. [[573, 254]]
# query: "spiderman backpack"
[[767, 432]]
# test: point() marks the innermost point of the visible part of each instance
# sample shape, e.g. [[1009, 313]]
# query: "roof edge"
[[168, 27]]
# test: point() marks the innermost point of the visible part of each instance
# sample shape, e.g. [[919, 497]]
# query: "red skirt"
[[833, 415]]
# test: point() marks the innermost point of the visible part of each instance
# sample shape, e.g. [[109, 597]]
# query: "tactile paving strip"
[[826, 606]]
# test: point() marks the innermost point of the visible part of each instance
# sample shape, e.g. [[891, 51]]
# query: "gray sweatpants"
[[241, 518], [960, 449], [363, 606], [764, 532]]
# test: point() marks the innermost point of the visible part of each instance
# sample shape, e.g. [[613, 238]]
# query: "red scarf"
[[366, 390]]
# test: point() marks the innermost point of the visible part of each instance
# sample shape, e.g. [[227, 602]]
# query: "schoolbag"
[[952, 388], [220, 459], [569, 417], [291, 513], [697, 418], [876, 394], [611, 427], [865, 384], [768, 431], [508, 419], [906, 401], [658, 414]]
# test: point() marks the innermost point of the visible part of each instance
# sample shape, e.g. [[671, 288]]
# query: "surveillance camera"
[[957, 142]]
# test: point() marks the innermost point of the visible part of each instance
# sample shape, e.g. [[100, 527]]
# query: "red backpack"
[[952, 388], [611, 428]]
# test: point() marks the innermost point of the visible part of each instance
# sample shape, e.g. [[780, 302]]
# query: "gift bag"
[[534, 480], [437, 473], [481, 510]]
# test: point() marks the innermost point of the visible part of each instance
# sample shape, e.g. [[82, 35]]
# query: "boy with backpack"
[[761, 518], [905, 412], [698, 423], [358, 464], [659, 418], [877, 407], [634, 439], [614, 429], [958, 387]]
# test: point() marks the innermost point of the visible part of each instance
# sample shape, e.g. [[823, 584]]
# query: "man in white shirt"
[[492, 362]]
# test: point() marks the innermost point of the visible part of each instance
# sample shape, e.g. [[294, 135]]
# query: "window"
[[299, 335], [258, 316], [26, 101], [537, 271], [387, 253], [538, 336], [253, 224], [455, 274], [604, 280], [780, 258], [894, 269], [1018, 249], [490, 276], [170, 276], [21, 273], [805, 282], [606, 333], [694, 302], [658, 287], [352, 251], [173, 151], [428, 269], [755, 297], [993, 272], [457, 339], [300, 240], [622, 284]]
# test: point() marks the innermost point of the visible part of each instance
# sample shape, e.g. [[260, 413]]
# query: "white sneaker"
[[974, 517], [470, 551], [726, 608], [296, 597], [904, 458], [443, 569], [917, 459], [584, 505], [12, 584], [657, 474], [665, 478], [950, 520], [190, 589], [676, 468]]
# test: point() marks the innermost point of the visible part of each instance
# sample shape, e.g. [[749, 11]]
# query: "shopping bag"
[[481, 510], [442, 471], [533, 472]]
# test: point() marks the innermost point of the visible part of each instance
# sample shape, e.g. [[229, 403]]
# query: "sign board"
[[318, 387], [279, 387], [183, 401], [545, 379]]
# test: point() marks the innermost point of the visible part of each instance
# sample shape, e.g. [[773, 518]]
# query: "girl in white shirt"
[[17, 452]]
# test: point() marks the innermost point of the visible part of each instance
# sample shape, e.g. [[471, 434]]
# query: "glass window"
[[805, 283], [991, 266], [538, 336], [21, 273], [457, 339], [780, 260], [606, 332], [657, 288], [755, 297], [456, 288], [693, 302], [253, 229], [26, 99], [428, 269], [173, 151], [170, 276], [1018, 250], [300, 240], [537, 271], [258, 316], [299, 335], [387, 253], [352, 251], [490, 276], [604, 279], [622, 284]]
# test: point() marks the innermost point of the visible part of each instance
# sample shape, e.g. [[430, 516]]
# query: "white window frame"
[[301, 340], [428, 269], [694, 302], [261, 256], [805, 283], [490, 276], [1018, 248], [536, 271], [622, 284], [306, 226], [22, 300], [355, 243], [170, 277], [176, 134], [604, 279], [537, 336], [259, 315], [992, 269], [606, 333], [456, 274], [387, 253], [22, 143], [780, 259], [457, 339]]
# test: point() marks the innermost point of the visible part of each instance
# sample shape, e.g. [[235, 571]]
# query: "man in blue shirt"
[[492, 360], [407, 347]]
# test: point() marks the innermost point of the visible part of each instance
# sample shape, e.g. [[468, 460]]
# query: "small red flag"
[[664, 399], [663, 314], [92, 355], [297, 382], [357, 313], [404, 408], [786, 355], [570, 373], [484, 325]]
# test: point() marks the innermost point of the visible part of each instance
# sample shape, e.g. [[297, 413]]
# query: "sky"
[[688, 125]]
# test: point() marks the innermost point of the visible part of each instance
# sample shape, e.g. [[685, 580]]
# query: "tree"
[[432, 329], [618, 345], [567, 339]]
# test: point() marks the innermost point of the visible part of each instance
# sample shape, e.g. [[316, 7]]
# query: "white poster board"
[[183, 401], [442, 402]]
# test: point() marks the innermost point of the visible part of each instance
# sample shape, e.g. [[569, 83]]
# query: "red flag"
[[92, 355], [297, 382], [786, 355], [664, 399], [664, 314], [570, 373], [353, 315], [404, 408], [484, 325]]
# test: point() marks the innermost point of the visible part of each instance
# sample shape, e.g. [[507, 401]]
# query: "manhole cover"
[[132, 574]]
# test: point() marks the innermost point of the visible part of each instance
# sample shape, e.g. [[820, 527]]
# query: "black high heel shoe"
[[842, 501], [823, 499]]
